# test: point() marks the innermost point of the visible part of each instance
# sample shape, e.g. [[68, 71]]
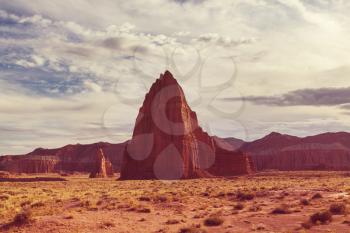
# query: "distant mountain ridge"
[[327, 151]]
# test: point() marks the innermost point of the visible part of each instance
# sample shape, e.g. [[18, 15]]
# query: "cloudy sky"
[[77, 70]]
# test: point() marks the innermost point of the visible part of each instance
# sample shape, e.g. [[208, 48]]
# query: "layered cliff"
[[328, 151], [70, 158]]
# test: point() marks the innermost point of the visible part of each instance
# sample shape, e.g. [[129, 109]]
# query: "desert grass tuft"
[[213, 221]]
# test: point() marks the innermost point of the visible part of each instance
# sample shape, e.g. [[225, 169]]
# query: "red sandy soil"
[[107, 205]]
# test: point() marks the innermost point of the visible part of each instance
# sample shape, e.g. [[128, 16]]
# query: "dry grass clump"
[[322, 217], [304, 202], [283, 209], [205, 194], [255, 208], [337, 208], [213, 221], [4, 197], [239, 206], [144, 198], [172, 222], [145, 210], [37, 204], [160, 198], [22, 218], [245, 196], [68, 217], [306, 225], [317, 196], [192, 229], [107, 224]]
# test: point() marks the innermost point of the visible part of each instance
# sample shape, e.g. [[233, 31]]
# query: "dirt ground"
[[265, 202]]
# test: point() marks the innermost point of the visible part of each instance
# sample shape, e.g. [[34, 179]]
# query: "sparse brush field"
[[265, 202]]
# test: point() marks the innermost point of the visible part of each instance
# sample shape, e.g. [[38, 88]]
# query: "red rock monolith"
[[103, 167], [167, 142]]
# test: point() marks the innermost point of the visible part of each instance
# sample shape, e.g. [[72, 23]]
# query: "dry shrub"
[[172, 221], [161, 199], [145, 210], [192, 229], [4, 197], [304, 202], [255, 208], [317, 196], [337, 208], [283, 209], [322, 217], [106, 225], [239, 206], [144, 198], [213, 221], [37, 205], [245, 196], [306, 225], [22, 218]]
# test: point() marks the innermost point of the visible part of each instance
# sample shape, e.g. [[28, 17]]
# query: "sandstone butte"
[[168, 143], [103, 167]]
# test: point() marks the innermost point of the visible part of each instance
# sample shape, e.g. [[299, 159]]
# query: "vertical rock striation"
[[167, 142], [103, 167]]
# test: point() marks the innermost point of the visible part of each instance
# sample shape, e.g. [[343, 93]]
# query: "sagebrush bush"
[[22, 218], [213, 221], [304, 202], [283, 209], [337, 208], [322, 217]]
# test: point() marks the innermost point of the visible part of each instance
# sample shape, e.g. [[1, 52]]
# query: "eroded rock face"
[[167, 141], [229, 161], [28, 164], [103, 167], [70, 158], [328, 151]]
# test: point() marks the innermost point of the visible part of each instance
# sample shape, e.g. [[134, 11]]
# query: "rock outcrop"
[[70, 158], [168, 143], [328, 151], [103, 167], [229, 161], [28, 163]]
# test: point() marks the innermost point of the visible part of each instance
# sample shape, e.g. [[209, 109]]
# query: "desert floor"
[[265, 202]]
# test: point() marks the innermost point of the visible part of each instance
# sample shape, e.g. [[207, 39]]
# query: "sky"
[[76, 71]]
